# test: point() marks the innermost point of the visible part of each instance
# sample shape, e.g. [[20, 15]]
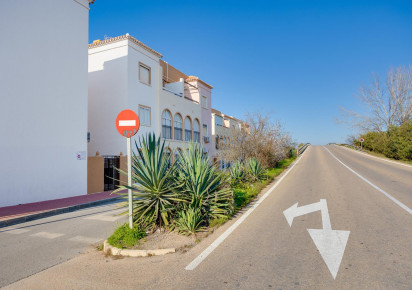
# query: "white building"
[[43, 99], [127, 74], [123, 74], [221, 133]]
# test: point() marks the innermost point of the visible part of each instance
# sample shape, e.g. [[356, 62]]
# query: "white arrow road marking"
[[295, 211], [330, 243], [127, 123]]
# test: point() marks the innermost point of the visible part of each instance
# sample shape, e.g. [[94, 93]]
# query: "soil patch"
[[165, 240]]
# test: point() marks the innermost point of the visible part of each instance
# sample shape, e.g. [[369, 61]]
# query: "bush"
[[202, 185], [125, 237], [189, 221], [255, 170], [395, 143], [238, 172], [153, 185]]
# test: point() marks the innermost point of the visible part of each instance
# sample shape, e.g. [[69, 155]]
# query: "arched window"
[[188, 129], [178, 127], [166, 125], [196, 131]]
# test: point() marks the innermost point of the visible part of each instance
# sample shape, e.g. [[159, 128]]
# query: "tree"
[[261, 139], [388, 103]]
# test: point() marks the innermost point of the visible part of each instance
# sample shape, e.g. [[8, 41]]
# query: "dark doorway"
[[111, 175]]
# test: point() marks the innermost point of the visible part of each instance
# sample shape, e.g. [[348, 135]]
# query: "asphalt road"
[[369, 204], [28, 248]]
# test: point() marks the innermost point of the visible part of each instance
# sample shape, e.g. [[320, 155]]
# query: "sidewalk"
[[21, 213]]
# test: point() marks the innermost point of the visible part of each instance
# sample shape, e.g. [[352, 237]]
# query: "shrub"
[[189, 221], [255, 170], [203, 186], [125, 237], [395, 143], [153, 185], [237, 172]]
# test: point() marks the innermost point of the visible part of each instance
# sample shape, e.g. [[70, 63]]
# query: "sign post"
[[127, 124], [361, 140]]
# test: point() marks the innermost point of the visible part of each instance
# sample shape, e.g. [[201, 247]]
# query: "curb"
[[40, 215], [108, 249]]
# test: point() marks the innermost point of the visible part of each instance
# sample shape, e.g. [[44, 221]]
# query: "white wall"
[[140, 93], [43, 99], [107, 97], [114, 86]]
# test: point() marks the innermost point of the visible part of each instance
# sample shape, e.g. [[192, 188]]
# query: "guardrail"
[[302, 148]]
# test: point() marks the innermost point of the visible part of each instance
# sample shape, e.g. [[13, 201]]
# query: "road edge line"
[[376, 157], [199, 259], [408, 210]]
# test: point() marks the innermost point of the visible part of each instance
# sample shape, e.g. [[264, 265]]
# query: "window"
[[205, 134], [204, 102], [196, 131], [178, 127], [166, 125], [144, 116], [144, 73], [188, 129], [218, 121]]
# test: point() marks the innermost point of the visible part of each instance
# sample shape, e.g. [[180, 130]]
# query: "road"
[[368, 200], [31, 247]]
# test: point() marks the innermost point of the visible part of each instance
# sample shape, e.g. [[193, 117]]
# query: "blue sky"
[[297, 60]]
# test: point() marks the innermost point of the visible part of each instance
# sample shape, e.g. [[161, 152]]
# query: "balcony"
[[176, 88]]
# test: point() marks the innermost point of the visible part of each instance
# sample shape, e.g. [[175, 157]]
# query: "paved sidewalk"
[[16, 214]]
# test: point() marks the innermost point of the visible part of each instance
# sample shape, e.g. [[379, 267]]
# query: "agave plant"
[[189, 220], [203, 186], [255, 169], [153, 186], [237, 172]]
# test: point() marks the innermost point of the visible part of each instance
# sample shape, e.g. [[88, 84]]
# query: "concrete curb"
[[108, 249], [40, 215]]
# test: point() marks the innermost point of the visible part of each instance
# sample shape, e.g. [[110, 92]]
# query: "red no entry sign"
[[127, 123]]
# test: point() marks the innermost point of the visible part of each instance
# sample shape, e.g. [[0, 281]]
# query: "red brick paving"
[[42, 206]]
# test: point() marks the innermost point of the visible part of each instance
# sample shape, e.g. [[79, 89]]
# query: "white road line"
[[223, 236], [85, 240], [103, 218], [16, 231], [47, 235], [368, 155], [373, 185]]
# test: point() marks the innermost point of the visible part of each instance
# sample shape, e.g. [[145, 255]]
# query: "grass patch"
[[218, 222], [125, 237], [244, 193]]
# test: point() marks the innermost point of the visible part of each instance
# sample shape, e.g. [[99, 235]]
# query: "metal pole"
[[129, 182]]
